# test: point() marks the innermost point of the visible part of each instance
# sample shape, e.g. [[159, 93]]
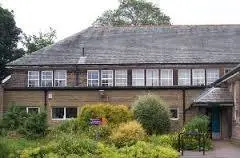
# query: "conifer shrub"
[[127, 134], [152, 113]]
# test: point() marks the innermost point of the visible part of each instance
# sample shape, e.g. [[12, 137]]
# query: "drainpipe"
[[1, 101], [184, 105], [45, 99]]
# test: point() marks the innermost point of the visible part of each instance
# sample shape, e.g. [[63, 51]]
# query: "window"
[[166, 77], [174, 113], [198, 77], [138, 77], [107, 78], [33, 79], [184, 77], [62, 113], [60, 78], [226, 70], [212, 75], [33, 110], [120, 77], [152, 77], [47, 79], [93, 78]]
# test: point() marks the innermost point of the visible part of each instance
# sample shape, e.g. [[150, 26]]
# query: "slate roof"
[[215, 95], [146, 44]]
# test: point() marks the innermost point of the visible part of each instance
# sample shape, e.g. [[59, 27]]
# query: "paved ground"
[[222, 149]]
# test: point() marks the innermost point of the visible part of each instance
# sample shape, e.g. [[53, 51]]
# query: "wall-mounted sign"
[[98, 121]]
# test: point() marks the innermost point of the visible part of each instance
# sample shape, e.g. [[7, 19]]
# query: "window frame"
[[56, 79], [107, 79], [125, 78], [184, 79], [207, 75], [161, 78], [64, 112], [152, 78], [32, 107], [177, 113], [34, 79], [194, 77], [138, 78], [46, 79], [92, 79]]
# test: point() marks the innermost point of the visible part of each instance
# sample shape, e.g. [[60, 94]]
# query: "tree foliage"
[[133, 12], [35, 42], [9, 37]]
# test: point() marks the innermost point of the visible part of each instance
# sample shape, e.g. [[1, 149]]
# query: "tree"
[[9, 37], [133, 12], [32, 43]]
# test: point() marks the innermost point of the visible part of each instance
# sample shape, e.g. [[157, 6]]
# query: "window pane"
[[173, 113], [93, 78], [32, 110], [46, 78], [152, 76], [33, 78], [212, 75], [57, 113], [166, 77], [120, 77], [138, 77], [60, 77], [107, 77], [71, 112], [198, 76], [184, 77]]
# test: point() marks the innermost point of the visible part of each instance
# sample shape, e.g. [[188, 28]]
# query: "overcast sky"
[[71, 16]]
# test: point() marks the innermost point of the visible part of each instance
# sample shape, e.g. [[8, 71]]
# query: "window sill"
[[174, 119]]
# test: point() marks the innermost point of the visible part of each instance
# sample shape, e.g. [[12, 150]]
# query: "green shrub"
[[69, 126], [104, 151], [147, 150], [99, 132], [152, 113], [4, 149], [127, 134], [115, 114], [165, 140], [199, 123], [34, 126]]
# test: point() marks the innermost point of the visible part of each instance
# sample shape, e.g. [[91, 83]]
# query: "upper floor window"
[[184, 77], [138, 78], [198, 77], [60, 78], [93, 78], [47, 78], [152, 77], [166, 77], [33, 79], [120, 77], [107, 78], [212, 75]]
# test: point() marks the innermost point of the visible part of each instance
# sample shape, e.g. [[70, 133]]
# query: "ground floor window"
[[174, 114], [63, 113], [33, 110]]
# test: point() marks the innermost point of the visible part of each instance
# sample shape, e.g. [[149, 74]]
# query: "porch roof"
[[214, 95]]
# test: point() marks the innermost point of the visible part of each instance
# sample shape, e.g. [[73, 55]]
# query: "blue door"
[[216, 122]]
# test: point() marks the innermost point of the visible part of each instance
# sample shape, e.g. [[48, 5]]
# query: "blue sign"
[[95, 121]]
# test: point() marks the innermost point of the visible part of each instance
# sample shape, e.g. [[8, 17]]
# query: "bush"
[[199, 123], [151, 112], [99, 132], [165, 140], [4, 149], [115, 114], [127, 134]]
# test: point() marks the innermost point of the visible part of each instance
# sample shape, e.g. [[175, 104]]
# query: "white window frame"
[[124, 76], [46, 79], [209, 74], [194, 72], [88, 71], [64, 111], [152, 79], [57, 79], [137, 76], [109, 84], [169, 77], [33, 79], [32, 107], [187, 77], [177, 113]]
